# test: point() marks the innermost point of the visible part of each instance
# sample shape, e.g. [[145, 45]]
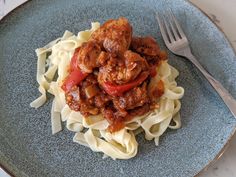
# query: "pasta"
[[92, 131]]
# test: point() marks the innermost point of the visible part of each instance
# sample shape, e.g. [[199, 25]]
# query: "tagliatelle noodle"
[[92, 132]]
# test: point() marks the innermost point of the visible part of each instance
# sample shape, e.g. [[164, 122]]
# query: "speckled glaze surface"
[[27, 147]]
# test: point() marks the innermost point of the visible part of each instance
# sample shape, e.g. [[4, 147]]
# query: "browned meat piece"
[[102, 99], [109, 72], [114, 35], [134, 98], [102, 58], [77, 98], [87, 57], [155, 60], [148, 48], [91, 79], [121, 71], [73, 98], [116, 123], [108, 114], [134, 64], [139, 111], [145, 46], [156, 90], [86, 109]]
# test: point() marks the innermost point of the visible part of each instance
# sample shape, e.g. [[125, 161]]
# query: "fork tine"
[[182, 35], [169, 32], [173, 28], [163, 33]]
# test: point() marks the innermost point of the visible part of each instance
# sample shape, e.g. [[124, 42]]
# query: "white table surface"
[[223, 13]]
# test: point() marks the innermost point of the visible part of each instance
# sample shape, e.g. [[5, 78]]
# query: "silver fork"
[[177, 42]]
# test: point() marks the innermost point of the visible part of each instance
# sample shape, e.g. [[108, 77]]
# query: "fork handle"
[[224, 94]]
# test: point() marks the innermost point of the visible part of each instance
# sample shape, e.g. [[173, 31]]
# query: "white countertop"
[[223, 13]]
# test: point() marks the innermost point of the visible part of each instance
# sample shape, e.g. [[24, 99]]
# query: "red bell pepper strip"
[[117, 90], [75, 76]]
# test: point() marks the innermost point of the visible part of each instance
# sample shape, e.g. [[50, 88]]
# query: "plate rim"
[[229, 140], [7, 170], [11, 171]]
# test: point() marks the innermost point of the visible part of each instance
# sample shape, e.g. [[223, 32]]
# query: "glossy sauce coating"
[[115, 69]]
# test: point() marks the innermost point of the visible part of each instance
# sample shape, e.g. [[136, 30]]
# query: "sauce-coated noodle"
[[91, 132]]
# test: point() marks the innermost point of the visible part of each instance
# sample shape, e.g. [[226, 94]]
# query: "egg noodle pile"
[[53, 61]]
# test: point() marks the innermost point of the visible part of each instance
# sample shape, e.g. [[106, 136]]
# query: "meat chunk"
[[77, 100], [139, 111], [114, 35], [134, 64], [148, 48], [73, 98], [102, 100], [136, 97], [122, 70], [91, 80], [145, 46], [103, 57], [155, 60], [87, 57], [156, 90], [116, 123], [87, 109]]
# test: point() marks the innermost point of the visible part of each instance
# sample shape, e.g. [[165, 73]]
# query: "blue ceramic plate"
[[27, 147]]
